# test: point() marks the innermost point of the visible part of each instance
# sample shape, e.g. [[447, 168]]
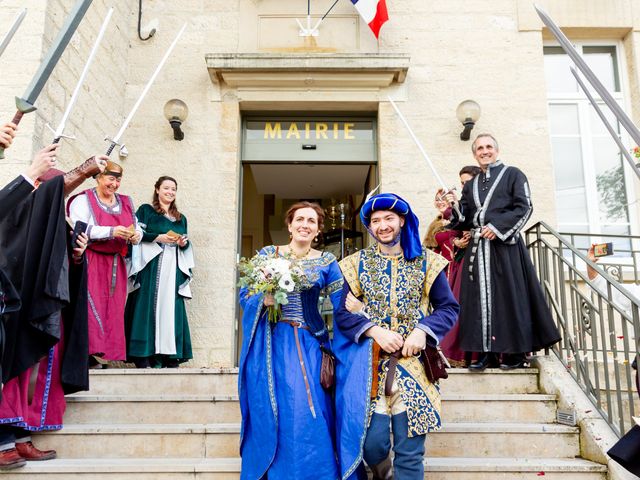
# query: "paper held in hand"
[[173, 235]]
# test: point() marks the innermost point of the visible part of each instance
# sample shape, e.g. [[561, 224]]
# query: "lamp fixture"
[[176, 111], [468, 113]]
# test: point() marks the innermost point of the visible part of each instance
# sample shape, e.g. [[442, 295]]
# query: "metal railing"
[[600, 326]]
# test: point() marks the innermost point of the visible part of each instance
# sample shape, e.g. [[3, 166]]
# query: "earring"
[[316, 239], [290, 235]]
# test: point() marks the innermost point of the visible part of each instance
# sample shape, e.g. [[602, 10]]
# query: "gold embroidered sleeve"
[[349, 267], [435, 264]]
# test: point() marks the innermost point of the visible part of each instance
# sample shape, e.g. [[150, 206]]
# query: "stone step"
[[452, 468], [202, 381], [222, 440], [128, 409]]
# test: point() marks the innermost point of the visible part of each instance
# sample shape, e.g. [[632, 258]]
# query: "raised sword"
[[424, 154], [606, 97], [12, 31], [115, 140], [25, 104], [58, 133]]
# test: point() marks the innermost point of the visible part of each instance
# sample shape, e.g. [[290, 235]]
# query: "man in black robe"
[[503, 310], [35, 255]]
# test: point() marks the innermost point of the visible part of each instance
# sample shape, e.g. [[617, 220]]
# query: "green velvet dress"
[[156, 318]]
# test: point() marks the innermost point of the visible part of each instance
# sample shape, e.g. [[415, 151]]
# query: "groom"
[[396, 298]]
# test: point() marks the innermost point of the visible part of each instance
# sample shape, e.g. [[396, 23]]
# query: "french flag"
[[373, 12]]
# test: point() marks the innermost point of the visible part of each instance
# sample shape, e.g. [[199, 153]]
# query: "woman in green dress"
[[156, 319]]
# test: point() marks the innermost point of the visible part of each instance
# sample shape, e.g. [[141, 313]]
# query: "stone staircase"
[[184, 424]]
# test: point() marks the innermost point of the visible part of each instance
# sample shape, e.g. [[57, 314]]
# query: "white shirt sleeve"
[[79, 209], [28, 179]]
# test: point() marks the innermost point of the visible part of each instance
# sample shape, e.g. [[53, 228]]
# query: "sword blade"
[[607, 124], [420, 147], [55, 51], [607, 98], [133, 111], [74, 96], [12, 31]]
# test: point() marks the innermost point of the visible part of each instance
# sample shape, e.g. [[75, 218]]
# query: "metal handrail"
[[600, 337]]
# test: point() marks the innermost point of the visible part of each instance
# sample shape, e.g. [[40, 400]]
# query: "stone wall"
[[459, 49]]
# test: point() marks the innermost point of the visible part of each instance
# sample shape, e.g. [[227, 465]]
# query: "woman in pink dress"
[[451, 244]]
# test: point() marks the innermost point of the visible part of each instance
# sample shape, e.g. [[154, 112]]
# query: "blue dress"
[[288, 431]]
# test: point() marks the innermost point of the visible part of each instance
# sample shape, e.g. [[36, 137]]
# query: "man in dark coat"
[[48, 276], [503, 309]]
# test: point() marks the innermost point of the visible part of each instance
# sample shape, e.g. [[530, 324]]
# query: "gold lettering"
[[348, 132], [307, 130], [336, 130], [272, 130], [293, 130], [321, 130]]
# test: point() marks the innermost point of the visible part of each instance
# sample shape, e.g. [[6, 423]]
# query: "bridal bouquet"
[[270, 275]]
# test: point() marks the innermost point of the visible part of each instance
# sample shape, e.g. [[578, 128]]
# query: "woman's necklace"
[[299, 257]]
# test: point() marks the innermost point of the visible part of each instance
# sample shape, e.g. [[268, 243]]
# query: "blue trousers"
[[409, 452]]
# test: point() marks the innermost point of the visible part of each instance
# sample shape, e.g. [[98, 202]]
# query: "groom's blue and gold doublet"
[[396, 294], [401, 293]]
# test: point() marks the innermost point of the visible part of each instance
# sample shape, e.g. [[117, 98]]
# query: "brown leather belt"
[[391, 372], [296, 326]]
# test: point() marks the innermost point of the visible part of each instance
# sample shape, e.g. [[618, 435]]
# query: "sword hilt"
[[112, 145], [58, 137], [23, 107], [16, 119]]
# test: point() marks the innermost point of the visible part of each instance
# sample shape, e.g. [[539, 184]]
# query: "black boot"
[[142, 362], [383, 470], [511, 361], [486, 360]]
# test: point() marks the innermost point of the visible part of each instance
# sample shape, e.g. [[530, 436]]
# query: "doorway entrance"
[[330, 160]]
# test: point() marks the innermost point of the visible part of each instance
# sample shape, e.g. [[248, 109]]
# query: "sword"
[[25, 104], [115, 140], [58, 133], [9, 35], [424, 154], [606, 123], [566, 45]]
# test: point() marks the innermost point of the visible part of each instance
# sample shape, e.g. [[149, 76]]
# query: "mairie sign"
[[309, 140], [309, 130]]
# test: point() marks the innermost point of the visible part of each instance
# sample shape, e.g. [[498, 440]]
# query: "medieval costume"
[[400, 293], [441, 240], [156, 317], [503, 306], [47, 357], [12, 194], [107, 271], [287, 416]]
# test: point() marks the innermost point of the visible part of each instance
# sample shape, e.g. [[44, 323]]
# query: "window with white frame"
[[592, 186]]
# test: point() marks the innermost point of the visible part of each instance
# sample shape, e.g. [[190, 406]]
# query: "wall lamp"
[[468, 113], [176, 112]]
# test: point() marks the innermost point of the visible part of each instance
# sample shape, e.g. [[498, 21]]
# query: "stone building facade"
[[244, 60]]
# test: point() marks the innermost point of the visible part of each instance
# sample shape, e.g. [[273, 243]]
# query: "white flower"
[[286, 283], [280, 266], [268, 272]]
